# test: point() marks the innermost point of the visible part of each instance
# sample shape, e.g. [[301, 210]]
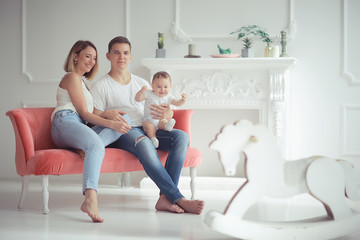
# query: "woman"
[[74, 110]]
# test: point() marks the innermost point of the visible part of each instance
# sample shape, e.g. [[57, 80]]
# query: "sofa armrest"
[[183, 121]]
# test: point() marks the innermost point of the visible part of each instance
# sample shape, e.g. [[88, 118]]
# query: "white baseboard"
[[202, 183]]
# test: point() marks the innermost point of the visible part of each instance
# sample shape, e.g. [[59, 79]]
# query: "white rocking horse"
[[330, 181]]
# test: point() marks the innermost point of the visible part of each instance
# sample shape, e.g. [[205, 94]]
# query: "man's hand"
[[162, 111]]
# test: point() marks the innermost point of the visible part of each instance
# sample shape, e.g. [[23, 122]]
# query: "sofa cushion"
[[64, 162]]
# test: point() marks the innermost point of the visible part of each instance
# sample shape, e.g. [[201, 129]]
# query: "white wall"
[[325, 105]]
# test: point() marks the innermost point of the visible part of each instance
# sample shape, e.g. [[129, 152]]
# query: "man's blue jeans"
[[68, 130], [176, 142]]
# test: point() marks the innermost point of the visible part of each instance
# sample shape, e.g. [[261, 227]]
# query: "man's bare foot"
[[191, 206], [163, 204], [90, 205]]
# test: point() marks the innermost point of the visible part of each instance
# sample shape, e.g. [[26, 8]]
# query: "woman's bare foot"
[[90, 205], [163, 204], [191, 206]]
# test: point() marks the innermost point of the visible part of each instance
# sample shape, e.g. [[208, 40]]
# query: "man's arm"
[[98, 93]]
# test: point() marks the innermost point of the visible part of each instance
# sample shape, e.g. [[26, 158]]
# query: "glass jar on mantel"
[[272, 51]]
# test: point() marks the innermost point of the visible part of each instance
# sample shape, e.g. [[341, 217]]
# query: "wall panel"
[[50, 28]]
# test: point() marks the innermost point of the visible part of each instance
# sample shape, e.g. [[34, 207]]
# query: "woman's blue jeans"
[[69, 131], [176, 142]]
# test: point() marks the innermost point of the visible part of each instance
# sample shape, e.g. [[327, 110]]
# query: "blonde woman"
[[74, 110]]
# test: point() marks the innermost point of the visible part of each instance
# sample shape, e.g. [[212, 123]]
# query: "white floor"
[[128, 214]]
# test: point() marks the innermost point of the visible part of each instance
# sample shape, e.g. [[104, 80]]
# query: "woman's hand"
[[162, 111], [117, 121], [115, 115], [121, 127]]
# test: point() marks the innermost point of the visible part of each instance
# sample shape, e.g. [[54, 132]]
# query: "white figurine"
[[331, 181]]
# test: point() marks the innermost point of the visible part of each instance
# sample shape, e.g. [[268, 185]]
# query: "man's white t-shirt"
[[111, 95]]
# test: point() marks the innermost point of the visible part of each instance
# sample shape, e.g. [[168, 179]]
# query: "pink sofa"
[[36, 154]]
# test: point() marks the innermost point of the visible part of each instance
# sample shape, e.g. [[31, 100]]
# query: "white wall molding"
[[31, 104], [24, 49], [350, 139], [127, 18], [353, 81], [23, 42], [30, 47], [181, 36]]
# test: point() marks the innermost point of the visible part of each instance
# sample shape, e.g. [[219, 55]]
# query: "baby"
[[161, 85]]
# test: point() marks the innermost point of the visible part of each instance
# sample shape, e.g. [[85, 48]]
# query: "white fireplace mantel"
[[233, 83], [282, 64]]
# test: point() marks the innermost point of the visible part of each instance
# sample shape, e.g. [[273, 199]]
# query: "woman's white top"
[[63, 100]]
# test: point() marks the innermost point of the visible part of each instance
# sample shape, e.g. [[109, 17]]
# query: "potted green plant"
[[245, 32], [160, 51], [256, 31], [270, 51], [247, 51]]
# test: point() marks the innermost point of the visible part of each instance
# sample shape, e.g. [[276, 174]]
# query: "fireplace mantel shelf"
[[219, 63]]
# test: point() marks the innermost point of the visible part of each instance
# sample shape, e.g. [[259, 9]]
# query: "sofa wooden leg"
[[124, 180], [45, 193], [24, 190], [193, 182]]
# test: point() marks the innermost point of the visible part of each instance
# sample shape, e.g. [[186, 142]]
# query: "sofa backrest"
[[39, 123], [32, 133]]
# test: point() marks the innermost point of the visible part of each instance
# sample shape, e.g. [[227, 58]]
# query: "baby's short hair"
[[161, 74]]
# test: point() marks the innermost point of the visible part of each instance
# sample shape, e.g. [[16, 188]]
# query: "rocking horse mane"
[[242, 140], [229, 129], [223, 129]]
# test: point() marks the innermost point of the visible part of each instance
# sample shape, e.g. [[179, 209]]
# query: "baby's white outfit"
[[152, 98]]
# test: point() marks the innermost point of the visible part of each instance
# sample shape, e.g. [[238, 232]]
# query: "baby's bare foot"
[[90, 207], [191, 206], [163, 204]]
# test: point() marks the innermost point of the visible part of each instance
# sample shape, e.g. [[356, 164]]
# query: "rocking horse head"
[[236, 139]]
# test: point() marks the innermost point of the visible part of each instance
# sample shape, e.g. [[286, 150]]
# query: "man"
[[114, 94]]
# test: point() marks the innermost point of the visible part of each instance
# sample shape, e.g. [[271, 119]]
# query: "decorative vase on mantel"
[[160, 51], [272, 51], [247, 53], [283, 44]]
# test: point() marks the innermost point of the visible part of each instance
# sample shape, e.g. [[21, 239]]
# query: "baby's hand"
[[144, 89], [184, 96]]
